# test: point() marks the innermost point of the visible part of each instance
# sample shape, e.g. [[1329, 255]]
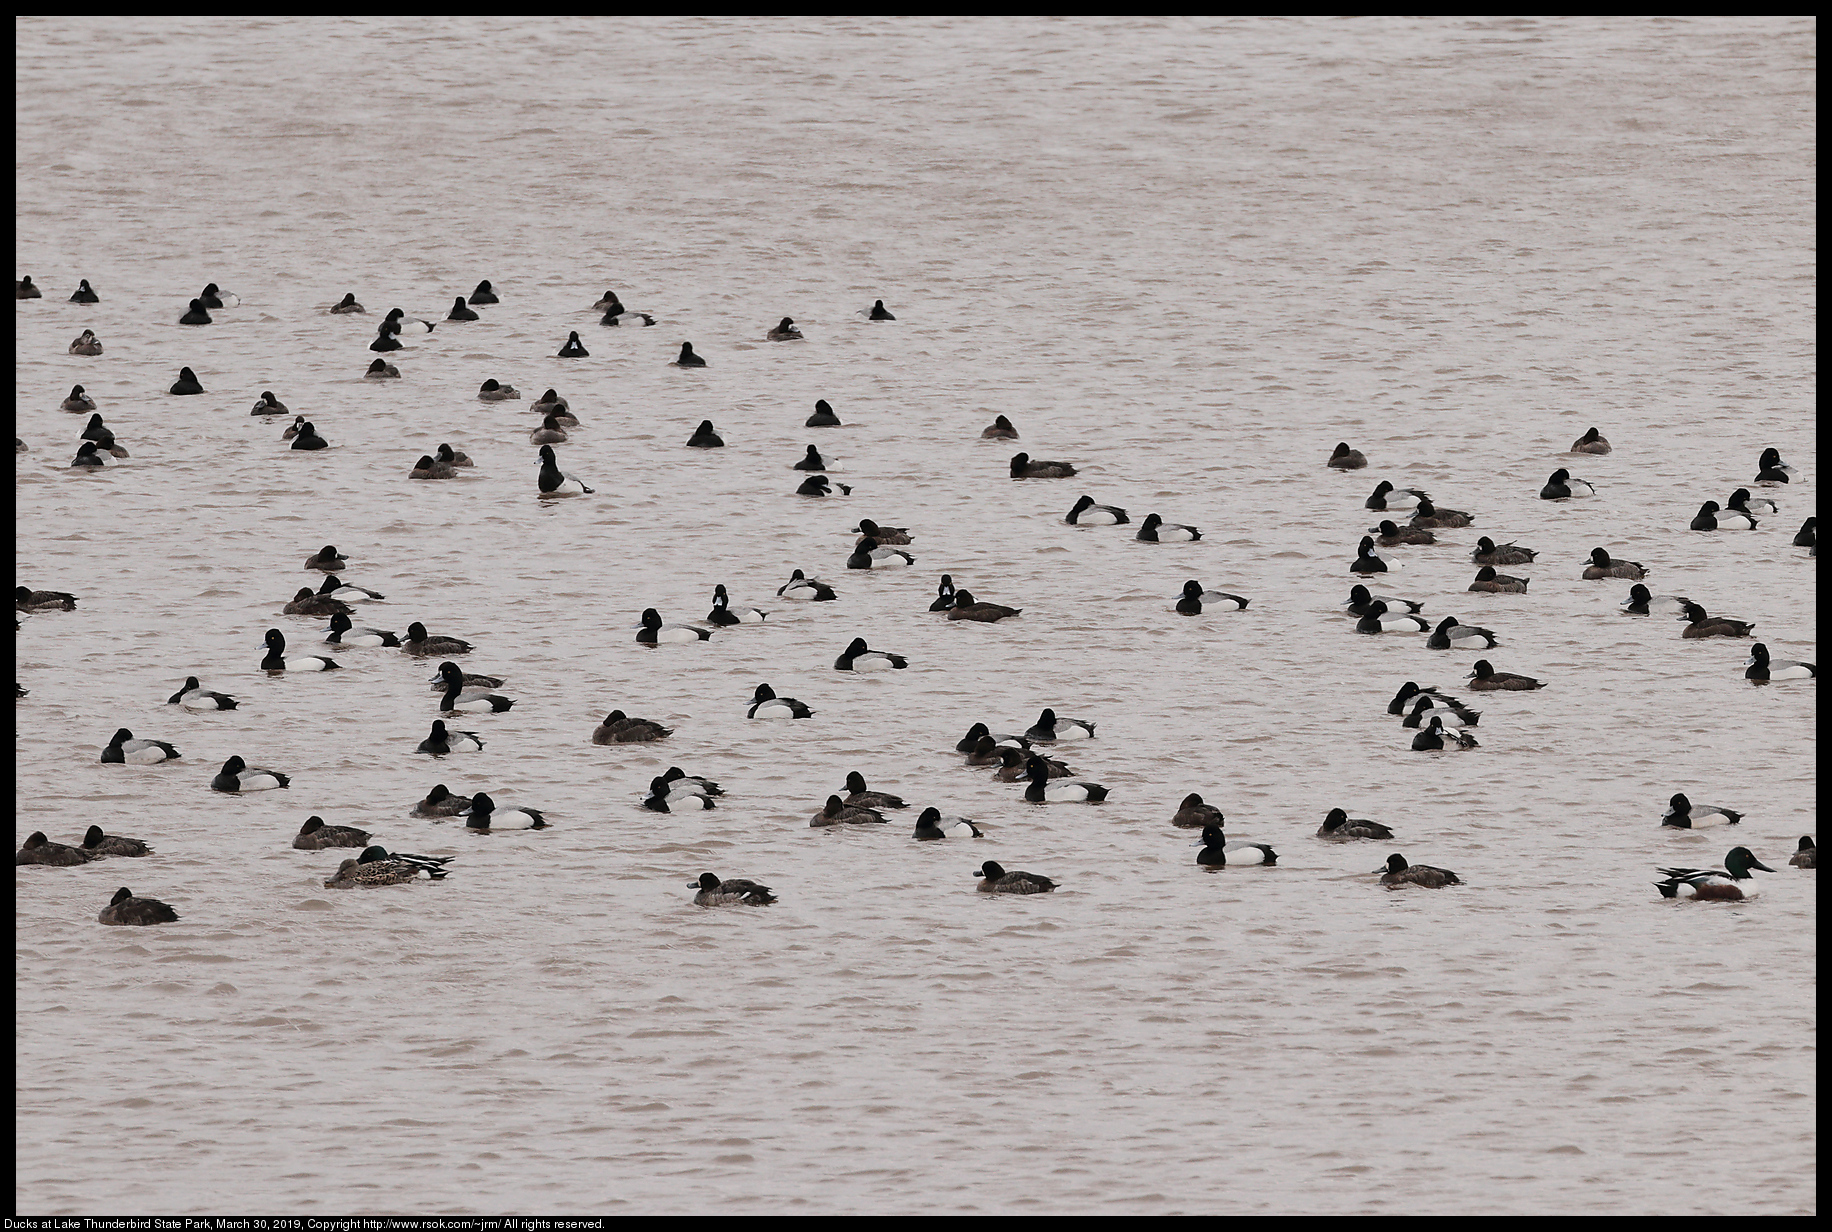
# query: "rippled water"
[[1188, 257]]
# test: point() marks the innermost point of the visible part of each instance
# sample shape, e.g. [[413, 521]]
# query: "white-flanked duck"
[[194, 696], [1643, 602], [443, 741], [1218, 852], [766, 705], [1682, 814], [869, 555], [1386, 496], [125, 750], [1049, 728], [1379, 620], [724, 614], [1562, 485], [457, 697], [1155, 529], [1451, 634], [1045, 790], [858, 658], [1711, 516], [1361, 601], [664, 797], [343, 633], [238, 776], [554, 482], [1452, 712], [278, 660], [484, 815], [801, 587], [1087, 513], [1760, 668], [653, 632], [1437, 737], [1367, 560], [931, 825], [1734, 883]]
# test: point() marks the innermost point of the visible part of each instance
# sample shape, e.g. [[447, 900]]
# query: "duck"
[[890, 536], [1049, 728], [573, 348], [440, 802], [401, 323], [878, 312], [86, 343], [802, 587], [837, 812], [1045, 790], [1806, 856], [1218, 852], [819, 485], [1411, 690], [194, 696], [1749, 506], [1603, 565], [104, 844], [931, 825], [195, 315], [663, 800], [1591, 442], [1453, 635], [308, 438], [974, 733], [214, 296], [1761, 668], [103, 437], [1087, 513], [460, 312], [1485, 679], [552, 481], [452, 457], [705, 438], [869, 555], [25, 599], [1435, 737], [1339, 827], [549, 433], [608, 302], [494, 390], [1155, 529], [766, 705], [1015, 764], [377, 866], [1366, 560], [1391, 534], [429, 467], [653, 632], [278, 660], [327, 560], [857, 658], [1560, 485], [1489, 582], [37, 849], [966, 607], [1399, 873], [311, 603], [1195, 598], [1771, 469], [856, 793], [620, 728], [1361, 600], [811, 461], [1712, 517], [1346, 459], [1453, 712], [1698, 624], [125, 750], [125, 908], [995, 880], [457, 697], [315, 835], [688, 359], [785, 330], [484, 815], [1682, 814], [680, 783], [1734, 885], [88, 455], [27, 290], [1642, 602], [468, 680], [823, 416], [1023, 468], [623, 316], [1194, 814], [420, 643], [1487, 552], [381, 370], [238, 776], [442, 741], [78, 402], [552, 403], [292, 429], [723, 615], [1806, 537], [735, 892], [1386, 496], [1377, 620], [384, 340], [999, 429], [1430, 517], [983, 752], [347, 305]]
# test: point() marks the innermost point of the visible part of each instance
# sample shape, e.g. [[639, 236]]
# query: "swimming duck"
[[1194, 599], [705, 438], [1023, 468], [494, 390], [1453, 712], [549, 433], [1434, 737], [401, 323], [440, 802], [984, 752], [308, 438], [1806, 537], [1641, 602], [723, 615], [1712, 517], [552, 481], [995, 880], [484, 815], [1049, 728], [1386, 496], [1346, 459], [819, 485], [1155, 529], [974, 733], [441, 741], [310, 603], [1735, 884], [1366, 560], [688, 359], [1489, 582], [1698, 624], [1194, 814], [421, 643], [1485, 679], [735, 892], [194, 696], [766, 705], [1338, 826], [292, 429], [868, 555], [78, 402], [1393, 535], [237, 776], [677, 782], [1762, 668], [25, 599], [37, 849], [86, 343], [457, 697], [1562, 486], [214, 296], [1400, 873], [1591, 442], [608, 302], [999, 429], [622, 316], [469, 681], [113, 844], [811, 461], [1430, 517], [452, 457], [619, 728], [1682, 814], [429, 467], [784, 331], [27, 290], [856, 793], [278, 660], [377, 866], [384, 340], [1806, 856], [460, 312], [968, 608], [1602, 565], [89, 455], [663, 800], [1771, 469], [196, 315], [1087, 513], [856, 658], [125, 750], [1360, 600], [1045, 790], [573, 348], [1452, 635], [653, 632], [127, 909], [837, 812], [878, 312], [1487, 553], [327, 560], [1377, 620], [1411, 690], [893, 536], [99, 432], [381, 370], [931, 825], [823, 416], [800, 586], [1218, 852], [1749, 506], [314, 835], [1015, 763], [347, 304]]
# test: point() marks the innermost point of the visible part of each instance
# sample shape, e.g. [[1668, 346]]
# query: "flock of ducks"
[[1441, 721]]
